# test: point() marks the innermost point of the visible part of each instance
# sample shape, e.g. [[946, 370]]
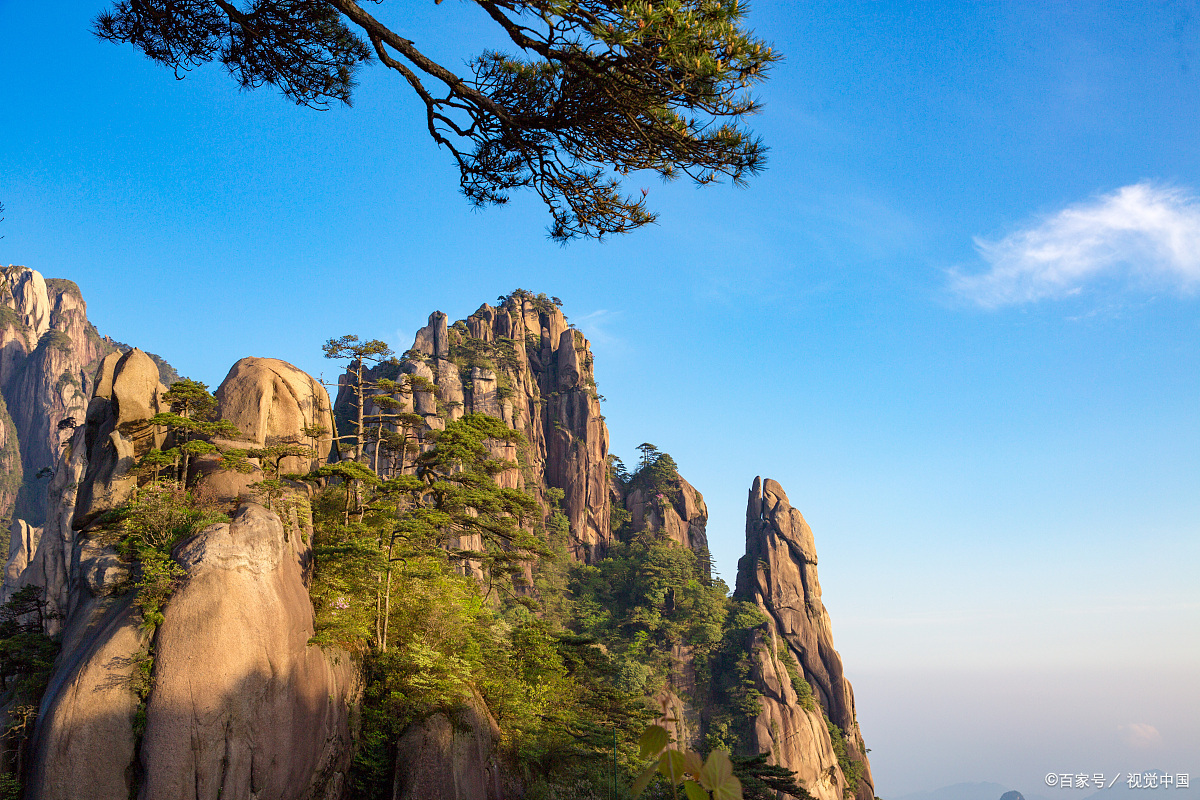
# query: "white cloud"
[[1145, 234], [1141, 734], [595, 325]]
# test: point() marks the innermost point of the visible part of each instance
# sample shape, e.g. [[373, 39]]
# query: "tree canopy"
[[597, 88]]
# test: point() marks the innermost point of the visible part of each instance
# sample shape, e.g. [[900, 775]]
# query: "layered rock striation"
[[48, 357], [797, 670], [224, 697], [523, 363]]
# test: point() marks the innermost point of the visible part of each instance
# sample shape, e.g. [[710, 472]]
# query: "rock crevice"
[[778, 574]]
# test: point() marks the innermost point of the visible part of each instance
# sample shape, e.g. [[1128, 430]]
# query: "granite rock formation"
[[238, 704], [779, 574], [677, 510], [523, 363], [12, 474], [272, 402], [92, 477], [453, 756], [48, 357], [242, 706]]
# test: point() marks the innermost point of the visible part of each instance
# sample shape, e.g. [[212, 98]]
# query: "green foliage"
[[56, 340], [802, 687], [159, 577], [648, 595], [701, 779], [273, 489], [348, 562], [26, 653], [595, 90], [357, 355], [192, 427], [395, 584], [350, 348], [11, 474], [68, 379], [190, 398], [449, 589], [763, 781], [729, 673], [56, 287], [541, 303], [851, 769], [9, 318], [149, 525], [159, 515]]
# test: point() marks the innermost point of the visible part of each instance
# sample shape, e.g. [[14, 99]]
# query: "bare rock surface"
[[12, 473], [272, 401], [239, 702], [451, 756], [48, 356], [242, 706], [779, 574], [128, 394], [85, 744], [679, 512], [22, 544]]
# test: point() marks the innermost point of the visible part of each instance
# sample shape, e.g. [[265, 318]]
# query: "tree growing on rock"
[[597, 89], [273, 486], [192, 427], [357, 354]]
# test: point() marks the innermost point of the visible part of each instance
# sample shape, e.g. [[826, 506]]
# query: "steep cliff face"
[[237, 704], [92, 477], [666, 505], [48, 356], [242, 706], [676, 508], [11, 472], [454, 756], [797, 670], [520, 362]]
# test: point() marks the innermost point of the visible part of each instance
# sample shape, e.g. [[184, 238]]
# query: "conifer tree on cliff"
[[595, 90], [357, 354]]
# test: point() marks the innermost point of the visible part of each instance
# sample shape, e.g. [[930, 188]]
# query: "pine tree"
[[596, 90]]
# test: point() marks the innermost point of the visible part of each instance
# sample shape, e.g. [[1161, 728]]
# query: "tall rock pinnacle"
[[799, 673]]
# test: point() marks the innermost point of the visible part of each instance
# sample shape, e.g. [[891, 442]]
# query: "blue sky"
[[957, 318]]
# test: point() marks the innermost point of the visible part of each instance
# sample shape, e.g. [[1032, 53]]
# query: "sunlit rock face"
[[242, 705], [779, 574], [233, 701], [271, 401], [520, 362], [48, 358]]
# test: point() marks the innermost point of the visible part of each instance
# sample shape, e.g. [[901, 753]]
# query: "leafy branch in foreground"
[[701, 779], [598, 88]]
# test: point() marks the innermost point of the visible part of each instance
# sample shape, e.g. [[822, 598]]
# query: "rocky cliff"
[[48, 357], [223, 696], [521, 362], [807, 704]]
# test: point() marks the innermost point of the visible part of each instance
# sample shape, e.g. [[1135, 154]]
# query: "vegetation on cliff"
[[449, 588], [450, 570]]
